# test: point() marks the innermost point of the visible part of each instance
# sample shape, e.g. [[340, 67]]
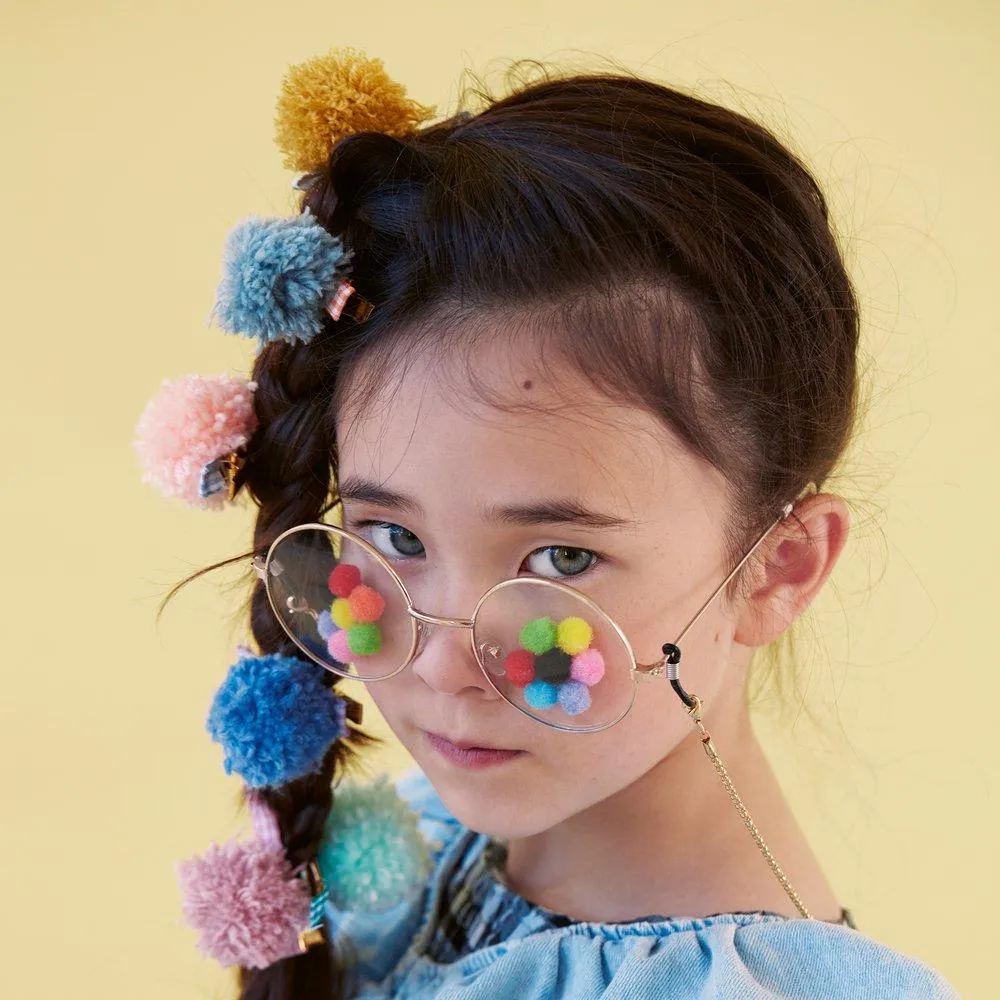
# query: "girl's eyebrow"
[[555, 511]]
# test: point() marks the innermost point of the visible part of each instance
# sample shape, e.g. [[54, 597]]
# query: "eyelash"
[[358, 527]]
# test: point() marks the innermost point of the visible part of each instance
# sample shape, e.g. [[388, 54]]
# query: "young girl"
[[570, 378]]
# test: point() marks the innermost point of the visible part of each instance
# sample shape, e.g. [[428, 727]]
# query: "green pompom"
[[372, 854], [539, 635], [364, 639]]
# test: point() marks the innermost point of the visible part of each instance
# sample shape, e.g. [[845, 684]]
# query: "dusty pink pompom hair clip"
[[190, 435]]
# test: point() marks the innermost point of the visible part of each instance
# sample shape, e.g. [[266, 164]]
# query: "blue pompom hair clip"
[[275, 718], [281, 278]]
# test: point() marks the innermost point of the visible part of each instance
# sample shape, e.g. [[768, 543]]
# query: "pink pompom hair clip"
[[191, 435], [249, 906]]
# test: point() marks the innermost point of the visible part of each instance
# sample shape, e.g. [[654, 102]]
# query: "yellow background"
[[135, 135]]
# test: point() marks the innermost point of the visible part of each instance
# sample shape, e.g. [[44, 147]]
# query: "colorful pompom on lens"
[[277, 276], [519, 666], [553, 666], [245, 903], [325, 625], [574, 697], [275, 719], [189, 423], [340, 612], [367, 604], [587, 667], [541, 694], [343, 579], [338, 648], [539, 635], [574, 635], [364, 639], [372, 855]]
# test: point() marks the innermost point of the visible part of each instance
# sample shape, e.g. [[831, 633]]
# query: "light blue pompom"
[[277, 276], [541, 694], [372, 855], [275, 719]]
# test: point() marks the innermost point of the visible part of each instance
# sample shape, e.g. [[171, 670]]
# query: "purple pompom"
[[574, 698], [245, 903], [324, 625]]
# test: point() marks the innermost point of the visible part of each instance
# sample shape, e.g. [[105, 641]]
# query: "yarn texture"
[[372, 854], [275, 719], [330, 96], [188, 423], [277, 275], [245, 903]]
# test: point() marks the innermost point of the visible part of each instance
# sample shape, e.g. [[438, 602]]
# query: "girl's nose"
[[446, 663]]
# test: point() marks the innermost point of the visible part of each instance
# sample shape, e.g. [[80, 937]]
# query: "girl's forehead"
[[513, 429]]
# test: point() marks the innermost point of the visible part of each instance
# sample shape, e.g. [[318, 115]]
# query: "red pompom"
[[520, 667], [343, 579]]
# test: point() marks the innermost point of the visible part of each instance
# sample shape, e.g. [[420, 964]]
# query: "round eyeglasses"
[[547, 649]]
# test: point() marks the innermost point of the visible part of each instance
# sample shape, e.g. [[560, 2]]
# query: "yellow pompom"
[[573, 635], [340, 612], [331, 96]]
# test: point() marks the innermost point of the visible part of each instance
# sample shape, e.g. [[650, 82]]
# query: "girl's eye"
[[394, 541], [560, 560]]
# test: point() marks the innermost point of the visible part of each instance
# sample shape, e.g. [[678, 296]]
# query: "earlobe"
[[798, 559]]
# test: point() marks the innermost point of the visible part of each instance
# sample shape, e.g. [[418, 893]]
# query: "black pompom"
[[553, 666]]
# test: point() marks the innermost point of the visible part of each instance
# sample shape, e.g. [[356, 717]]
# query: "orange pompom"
[[328, 97], [366, 603]]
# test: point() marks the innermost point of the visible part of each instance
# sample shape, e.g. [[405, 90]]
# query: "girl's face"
[[459, 495]]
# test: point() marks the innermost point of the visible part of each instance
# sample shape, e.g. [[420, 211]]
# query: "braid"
[[288, 472]]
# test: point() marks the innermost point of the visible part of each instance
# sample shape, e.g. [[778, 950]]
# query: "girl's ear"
[[799, 556]]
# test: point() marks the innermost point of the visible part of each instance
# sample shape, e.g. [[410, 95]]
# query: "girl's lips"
[[470, 756]]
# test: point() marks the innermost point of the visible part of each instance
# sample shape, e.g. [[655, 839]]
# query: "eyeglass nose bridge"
[[423, 616], [487, 653]]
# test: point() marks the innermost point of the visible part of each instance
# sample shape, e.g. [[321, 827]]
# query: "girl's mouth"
[[472, 757]]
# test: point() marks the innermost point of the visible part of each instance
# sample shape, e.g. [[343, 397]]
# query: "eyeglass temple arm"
[[670, 664]]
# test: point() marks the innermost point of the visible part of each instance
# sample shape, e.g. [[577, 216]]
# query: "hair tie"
[[265, 824], [190, 435], [275, 719]]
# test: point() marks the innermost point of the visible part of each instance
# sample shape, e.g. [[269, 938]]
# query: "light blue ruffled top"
[[736, 956]]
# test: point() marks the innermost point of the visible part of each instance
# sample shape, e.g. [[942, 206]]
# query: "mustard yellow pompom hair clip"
[[330, 96]]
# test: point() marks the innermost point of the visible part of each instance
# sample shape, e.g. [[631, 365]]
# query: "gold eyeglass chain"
[[706, 741]]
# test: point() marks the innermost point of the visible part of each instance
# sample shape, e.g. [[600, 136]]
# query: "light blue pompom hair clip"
[[282, 277]]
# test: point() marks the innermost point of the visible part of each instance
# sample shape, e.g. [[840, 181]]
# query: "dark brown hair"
[[682, 258]]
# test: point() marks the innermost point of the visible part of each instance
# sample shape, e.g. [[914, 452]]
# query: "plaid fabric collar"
[[478, 911]]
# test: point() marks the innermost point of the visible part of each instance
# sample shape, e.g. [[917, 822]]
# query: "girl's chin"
[[503, 809]]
